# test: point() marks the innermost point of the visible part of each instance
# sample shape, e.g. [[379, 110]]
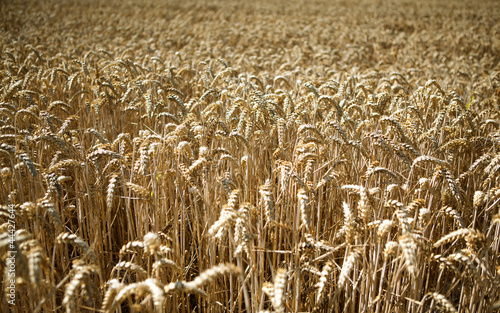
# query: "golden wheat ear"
[[81, 279], [204, 278], [77, 241], [149, 286], [276, 290], [444, 304]]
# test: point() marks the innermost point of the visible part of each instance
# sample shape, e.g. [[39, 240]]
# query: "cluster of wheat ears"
[[250, 157]]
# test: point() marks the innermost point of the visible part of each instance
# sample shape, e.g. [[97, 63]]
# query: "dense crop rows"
[[229, 157]]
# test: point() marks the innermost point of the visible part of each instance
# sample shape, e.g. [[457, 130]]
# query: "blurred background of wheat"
[[236, 156]]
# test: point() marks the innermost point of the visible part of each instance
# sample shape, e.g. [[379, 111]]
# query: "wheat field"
[[250, 156]]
